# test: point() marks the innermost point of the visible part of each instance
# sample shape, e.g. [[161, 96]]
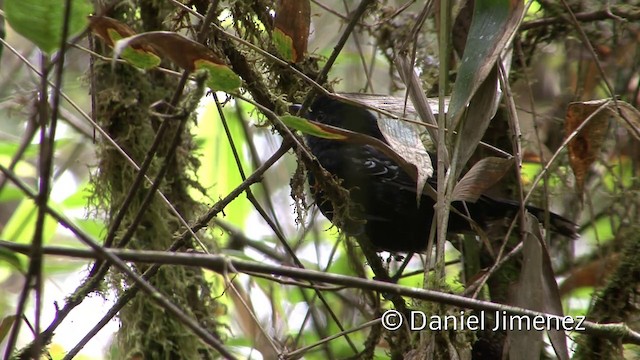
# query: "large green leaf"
[[41, 21], [492, 27]]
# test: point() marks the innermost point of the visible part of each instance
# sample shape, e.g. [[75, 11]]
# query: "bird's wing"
[[367, 161]]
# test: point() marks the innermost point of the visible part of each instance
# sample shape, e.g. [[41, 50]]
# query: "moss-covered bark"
[[123, 98], [616, 303]]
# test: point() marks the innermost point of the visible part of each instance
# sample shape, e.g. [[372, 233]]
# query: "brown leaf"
[[291, 34], [484, 174], [110, 30], [482, 108], [182, 51], [591, 274], [585, 146], [536, 290], [5, 325]]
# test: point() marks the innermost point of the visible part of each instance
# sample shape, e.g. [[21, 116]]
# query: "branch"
[[620, 12], [224, 265]]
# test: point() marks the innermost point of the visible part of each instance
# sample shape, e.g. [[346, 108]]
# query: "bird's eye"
[[320, 116]]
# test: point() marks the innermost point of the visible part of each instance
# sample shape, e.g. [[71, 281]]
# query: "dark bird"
[[383, 195]]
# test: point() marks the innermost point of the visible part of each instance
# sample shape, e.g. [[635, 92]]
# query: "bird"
[[383, 195]]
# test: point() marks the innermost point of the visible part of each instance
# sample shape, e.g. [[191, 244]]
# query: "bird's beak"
[[295, 109]]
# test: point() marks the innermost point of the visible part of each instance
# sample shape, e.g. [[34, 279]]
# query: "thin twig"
[[153, 269], [45, 164], [120, 265], [96, 126]]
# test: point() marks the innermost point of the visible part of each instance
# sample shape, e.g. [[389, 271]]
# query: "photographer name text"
[[499, 320]]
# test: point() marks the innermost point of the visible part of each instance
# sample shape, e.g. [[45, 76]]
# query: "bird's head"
[[340, 114]]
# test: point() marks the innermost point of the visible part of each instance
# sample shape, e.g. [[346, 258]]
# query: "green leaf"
[[310, 128], [111, 30], [78, 200], [492, 26], [284, 45], [41, 21], [10, 193], [9, 148], [221, 77], [54, 266], [184, 52], [11, 258], [92, 227], [5, 325], [139, 58], [291, 28], [601, 231]]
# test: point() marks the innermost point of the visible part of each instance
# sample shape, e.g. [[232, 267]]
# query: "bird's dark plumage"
[[384, 195]]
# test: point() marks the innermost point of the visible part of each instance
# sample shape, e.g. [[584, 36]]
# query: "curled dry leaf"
[[585, 146]]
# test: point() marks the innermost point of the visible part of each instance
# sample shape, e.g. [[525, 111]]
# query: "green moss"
[[124, 96]]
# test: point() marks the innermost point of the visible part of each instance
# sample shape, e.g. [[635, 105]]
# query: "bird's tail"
[[558, 224], [488, 208]]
